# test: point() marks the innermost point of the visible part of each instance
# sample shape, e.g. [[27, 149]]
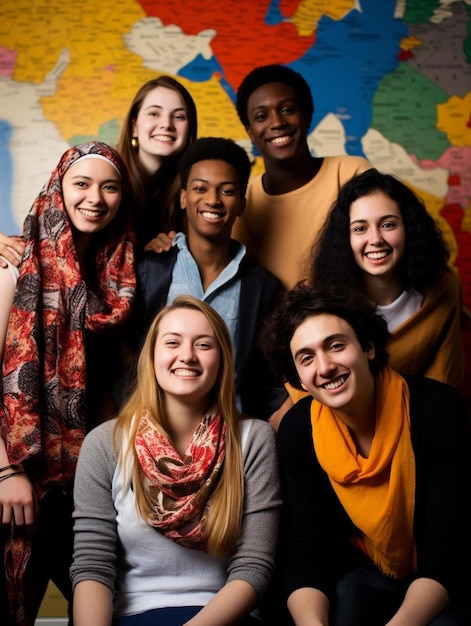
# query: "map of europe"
[[391, 81]]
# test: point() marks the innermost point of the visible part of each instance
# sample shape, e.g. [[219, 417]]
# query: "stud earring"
[[134, 143]]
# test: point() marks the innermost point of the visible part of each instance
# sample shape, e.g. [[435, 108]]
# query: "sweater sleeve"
[[254, 557], [441, 437], [448, 361], [429, 342], [260, 390], [95, 533], [315, 528]]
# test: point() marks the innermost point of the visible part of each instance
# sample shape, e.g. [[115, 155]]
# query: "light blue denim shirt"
[[223, 294]]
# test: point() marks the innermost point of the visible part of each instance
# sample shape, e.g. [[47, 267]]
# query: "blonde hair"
[[225, 512]]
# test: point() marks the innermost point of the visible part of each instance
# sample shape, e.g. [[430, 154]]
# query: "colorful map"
[[391, 81]]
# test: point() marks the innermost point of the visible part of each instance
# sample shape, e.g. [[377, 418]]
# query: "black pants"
[[366, 597]]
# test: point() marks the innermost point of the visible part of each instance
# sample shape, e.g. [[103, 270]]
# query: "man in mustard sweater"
[[288, 203]]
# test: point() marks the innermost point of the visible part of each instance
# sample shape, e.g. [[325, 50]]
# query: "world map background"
[[391, 81]]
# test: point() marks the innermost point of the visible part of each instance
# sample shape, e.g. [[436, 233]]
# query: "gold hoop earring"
[[135, 143]]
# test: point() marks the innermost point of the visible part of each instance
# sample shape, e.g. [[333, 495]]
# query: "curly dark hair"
[[303, 302], [274, 74], [218, 149], [425, 252]]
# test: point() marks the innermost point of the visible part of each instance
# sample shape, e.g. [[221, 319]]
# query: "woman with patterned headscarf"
[[74, 293]]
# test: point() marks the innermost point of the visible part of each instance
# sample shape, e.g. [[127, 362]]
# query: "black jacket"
[[259, 392]]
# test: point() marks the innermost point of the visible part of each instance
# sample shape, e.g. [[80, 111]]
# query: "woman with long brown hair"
[[160, 124]]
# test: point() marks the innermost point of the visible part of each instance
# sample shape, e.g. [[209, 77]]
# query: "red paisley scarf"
[[44, 369], [177, 489]]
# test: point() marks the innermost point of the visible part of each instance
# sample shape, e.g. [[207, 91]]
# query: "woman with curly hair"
[[380, 240], [177, 500]]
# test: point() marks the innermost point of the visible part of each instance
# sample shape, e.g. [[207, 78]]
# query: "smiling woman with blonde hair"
[[180, 493]]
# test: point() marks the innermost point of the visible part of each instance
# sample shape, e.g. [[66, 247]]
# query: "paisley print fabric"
[[43, 419], [178, 488]]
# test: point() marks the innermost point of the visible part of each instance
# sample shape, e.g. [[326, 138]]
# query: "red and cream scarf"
[[43, 418], [378, 492], [178, 489]]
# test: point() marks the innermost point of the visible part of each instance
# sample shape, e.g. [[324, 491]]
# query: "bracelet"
[[2, 478], [13, 467]]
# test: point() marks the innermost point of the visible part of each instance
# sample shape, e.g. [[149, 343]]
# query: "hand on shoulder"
[[11, 248], [161, 243]]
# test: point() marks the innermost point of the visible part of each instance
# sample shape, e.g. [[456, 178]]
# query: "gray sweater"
[[144, 569]]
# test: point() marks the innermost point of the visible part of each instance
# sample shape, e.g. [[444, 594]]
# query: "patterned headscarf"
[[44, 370], [43, 419]]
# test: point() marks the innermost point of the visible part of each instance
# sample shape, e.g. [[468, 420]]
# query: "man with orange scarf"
[[376, 474]]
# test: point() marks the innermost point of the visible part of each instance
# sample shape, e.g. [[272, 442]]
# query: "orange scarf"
[[378, 493]]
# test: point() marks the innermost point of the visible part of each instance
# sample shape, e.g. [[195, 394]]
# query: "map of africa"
[[391, 81]]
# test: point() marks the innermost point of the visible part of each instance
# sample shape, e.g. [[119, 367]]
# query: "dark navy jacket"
[[260, 394]]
